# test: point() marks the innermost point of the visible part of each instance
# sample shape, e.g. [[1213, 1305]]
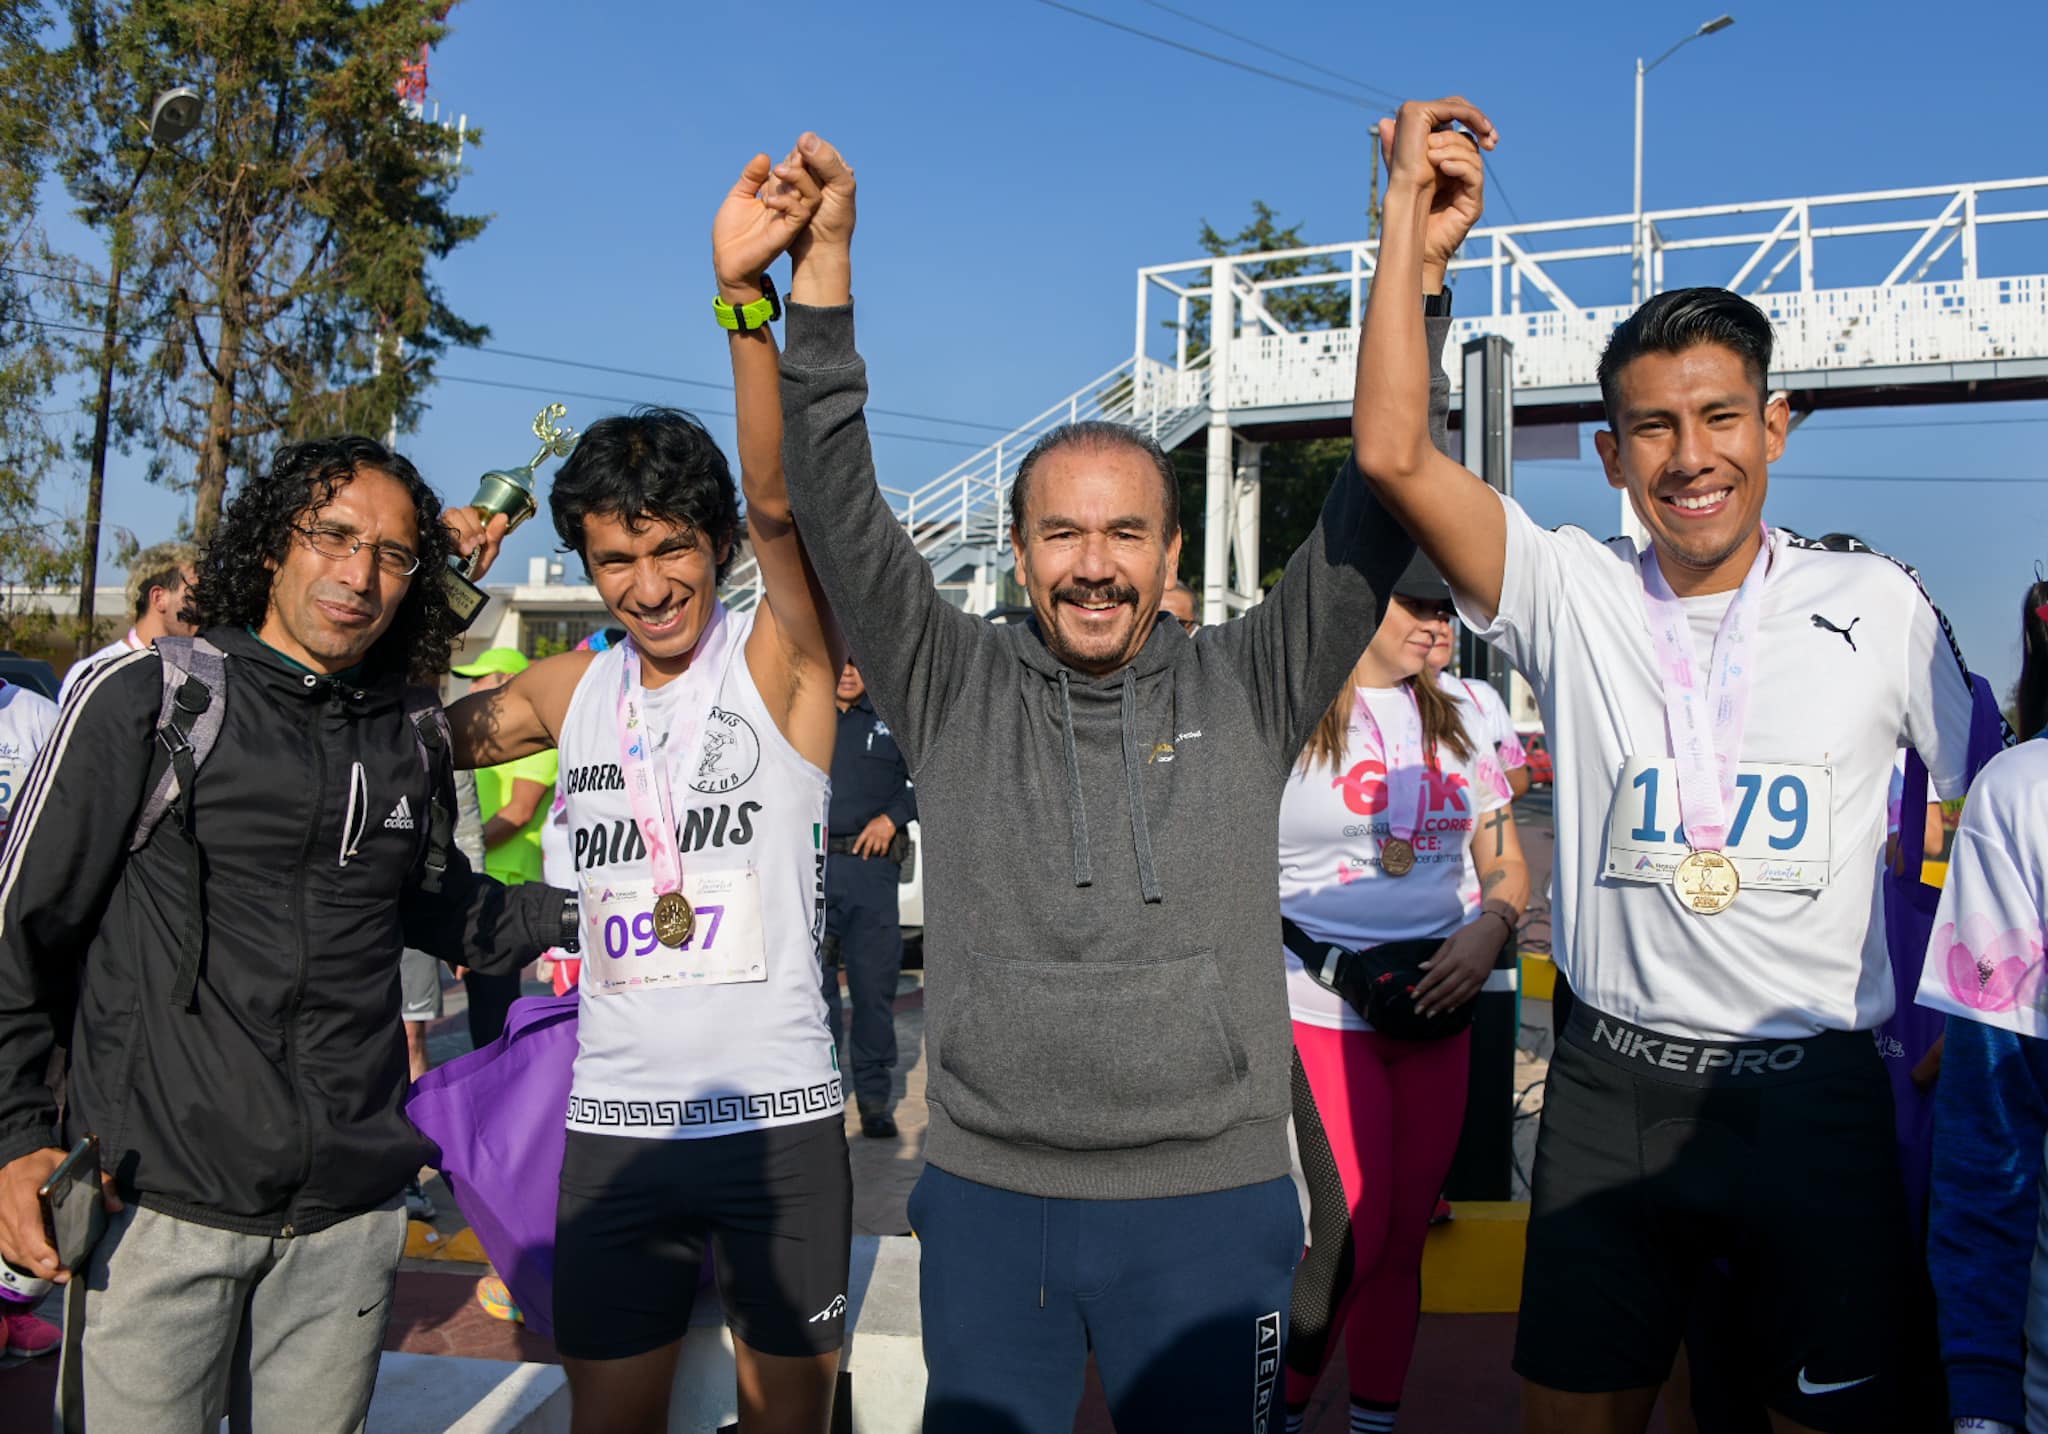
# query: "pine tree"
[[281, 255]]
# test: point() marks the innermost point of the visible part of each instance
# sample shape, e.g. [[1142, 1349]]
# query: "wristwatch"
[[1437, 305], [749, 316], [570, 937]]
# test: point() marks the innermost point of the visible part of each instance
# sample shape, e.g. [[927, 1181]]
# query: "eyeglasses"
[[392, 560]]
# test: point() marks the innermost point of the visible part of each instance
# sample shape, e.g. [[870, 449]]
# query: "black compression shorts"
[[775, 1205], [1660, 1158]]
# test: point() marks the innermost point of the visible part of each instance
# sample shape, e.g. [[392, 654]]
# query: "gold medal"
[[1706, 882], [1397, 857], [673, 919]]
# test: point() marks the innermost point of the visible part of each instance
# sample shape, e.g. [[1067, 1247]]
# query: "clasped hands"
[[802, 206]]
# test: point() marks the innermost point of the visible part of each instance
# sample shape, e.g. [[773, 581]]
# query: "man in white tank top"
[[706, 1105]]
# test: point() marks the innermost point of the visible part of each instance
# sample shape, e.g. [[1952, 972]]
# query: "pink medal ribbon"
[[640, 757], [1397, 725], [1705, 725]]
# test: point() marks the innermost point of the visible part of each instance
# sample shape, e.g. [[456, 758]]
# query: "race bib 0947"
[[621, 953]]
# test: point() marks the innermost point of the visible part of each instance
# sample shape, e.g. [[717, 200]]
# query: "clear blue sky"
[[1017, 164]]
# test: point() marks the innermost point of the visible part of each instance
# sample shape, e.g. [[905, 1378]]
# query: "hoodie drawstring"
[[1134, 769], [1084, 873], [358, 818]]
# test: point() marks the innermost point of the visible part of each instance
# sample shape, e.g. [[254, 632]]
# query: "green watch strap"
[[758, 313]]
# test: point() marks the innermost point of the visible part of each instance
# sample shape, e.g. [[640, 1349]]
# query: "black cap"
[[1422, 581]]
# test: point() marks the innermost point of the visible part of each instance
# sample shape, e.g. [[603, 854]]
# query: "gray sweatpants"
[[185, 1325]]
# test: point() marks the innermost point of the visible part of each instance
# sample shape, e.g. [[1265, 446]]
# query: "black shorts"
[[775, 1205], [1659, 1159]]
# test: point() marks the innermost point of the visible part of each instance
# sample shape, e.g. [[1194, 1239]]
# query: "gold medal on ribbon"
[[1397, 857], [674, 921], [1706, 882]]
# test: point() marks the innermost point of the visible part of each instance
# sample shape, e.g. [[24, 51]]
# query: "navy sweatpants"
[[1183, 1300]]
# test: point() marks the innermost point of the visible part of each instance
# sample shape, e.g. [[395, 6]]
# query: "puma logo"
[[1841, 632]]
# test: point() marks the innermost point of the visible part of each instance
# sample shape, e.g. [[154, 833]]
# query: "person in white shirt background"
[[1495, 723], [1987, 970], [1399, 856], [157, 582]]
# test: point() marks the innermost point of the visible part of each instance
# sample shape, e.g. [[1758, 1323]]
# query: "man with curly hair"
[[226, 980]]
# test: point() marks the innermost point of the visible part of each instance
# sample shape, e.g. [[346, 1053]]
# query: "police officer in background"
[[872, 803]]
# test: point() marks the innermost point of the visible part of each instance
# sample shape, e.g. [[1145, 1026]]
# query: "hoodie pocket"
[[1081, 1056]]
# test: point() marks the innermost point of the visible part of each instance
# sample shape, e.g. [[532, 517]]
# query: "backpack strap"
[[436, 746], [188, 724]]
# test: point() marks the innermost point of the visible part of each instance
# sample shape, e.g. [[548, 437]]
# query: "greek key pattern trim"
[[819, 1099]]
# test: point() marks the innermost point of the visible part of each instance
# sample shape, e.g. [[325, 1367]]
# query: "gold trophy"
[[508, 491]]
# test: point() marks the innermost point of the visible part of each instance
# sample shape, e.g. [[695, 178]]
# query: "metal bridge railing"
[[1936, 274]]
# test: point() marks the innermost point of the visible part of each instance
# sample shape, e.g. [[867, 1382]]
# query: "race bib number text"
[[621, 953], [1778, 831]]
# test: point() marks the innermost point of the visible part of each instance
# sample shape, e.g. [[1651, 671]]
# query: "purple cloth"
[[1909, 906], [499, 1117]]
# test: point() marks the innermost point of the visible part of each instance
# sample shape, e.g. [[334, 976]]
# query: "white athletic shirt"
[[1778, 963], [685, 1062], [119, 648], [1331, 884], [1494, 721], [26, 721], [1985, 960]]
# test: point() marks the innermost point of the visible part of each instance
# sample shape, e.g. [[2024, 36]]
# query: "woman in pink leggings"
[[1401, 876]]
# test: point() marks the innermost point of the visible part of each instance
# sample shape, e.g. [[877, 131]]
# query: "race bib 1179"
[[1778, 832]]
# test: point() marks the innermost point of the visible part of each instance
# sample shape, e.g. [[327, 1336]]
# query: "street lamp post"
[[171, 118], [1639, 249], [1639, 278]]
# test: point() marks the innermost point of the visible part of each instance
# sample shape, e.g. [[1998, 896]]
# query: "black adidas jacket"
[[271, 1103]]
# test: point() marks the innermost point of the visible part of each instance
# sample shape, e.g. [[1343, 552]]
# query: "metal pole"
[[96, 479], [1635, 243]]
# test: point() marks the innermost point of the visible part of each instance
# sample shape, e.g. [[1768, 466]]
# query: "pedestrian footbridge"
[[1905, 296]]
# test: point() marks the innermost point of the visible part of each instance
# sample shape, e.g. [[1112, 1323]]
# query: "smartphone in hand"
[[74, 1217]]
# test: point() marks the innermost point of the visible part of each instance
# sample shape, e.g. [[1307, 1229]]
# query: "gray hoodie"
[[1106, 1012]]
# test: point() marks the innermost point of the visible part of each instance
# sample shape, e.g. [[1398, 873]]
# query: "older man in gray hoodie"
[[1107, 1022]]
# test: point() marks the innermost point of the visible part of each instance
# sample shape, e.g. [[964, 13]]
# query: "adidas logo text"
[[400, 819]]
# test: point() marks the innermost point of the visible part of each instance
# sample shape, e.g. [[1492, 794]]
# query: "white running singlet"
[[1850, 662], [26, 721], [680, 1062], [1331, 883]]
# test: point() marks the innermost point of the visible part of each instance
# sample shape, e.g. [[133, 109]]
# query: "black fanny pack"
[[1379, 983]]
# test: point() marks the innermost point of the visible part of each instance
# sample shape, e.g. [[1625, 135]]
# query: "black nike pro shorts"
[[1660, 1159]]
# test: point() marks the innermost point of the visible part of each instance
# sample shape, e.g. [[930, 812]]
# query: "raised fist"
[[1424, 152], [761, 217]]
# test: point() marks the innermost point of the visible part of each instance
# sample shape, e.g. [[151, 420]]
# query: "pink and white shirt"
[[1331, 828]]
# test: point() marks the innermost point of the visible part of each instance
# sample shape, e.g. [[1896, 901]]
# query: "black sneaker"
[[878, 1127]]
